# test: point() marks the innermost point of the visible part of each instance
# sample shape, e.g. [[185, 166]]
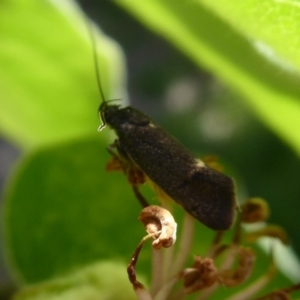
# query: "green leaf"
[[48, 86], [275, 23], [224, 45], [92, 282], [63, 211]]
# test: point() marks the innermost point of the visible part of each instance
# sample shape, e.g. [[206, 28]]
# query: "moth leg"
[[121, 162], [115, 164], [139, 196]]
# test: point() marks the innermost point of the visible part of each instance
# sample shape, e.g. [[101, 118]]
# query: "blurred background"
[[205, 115], [200, 111]]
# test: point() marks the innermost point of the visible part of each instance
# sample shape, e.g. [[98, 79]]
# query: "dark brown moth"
[[147, 152]]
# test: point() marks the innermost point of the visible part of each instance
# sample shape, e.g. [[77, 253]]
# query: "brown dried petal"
[[255, 210], [160, 222], [280, 295], [201, 275], [284, 294], [242, 272]]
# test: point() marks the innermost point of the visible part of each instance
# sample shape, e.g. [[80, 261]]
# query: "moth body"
[[206, 194]]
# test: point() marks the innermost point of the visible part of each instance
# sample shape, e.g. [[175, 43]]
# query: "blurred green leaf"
[[275, 23], [63, 211], [92, 282], [237, 51], [48, 89]]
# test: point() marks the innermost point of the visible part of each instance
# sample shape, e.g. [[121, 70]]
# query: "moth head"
[[107, 114], [116, 117]]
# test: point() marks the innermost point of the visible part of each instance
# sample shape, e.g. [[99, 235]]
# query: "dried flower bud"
[[201, 275], [242, 272], [160, 223], [255, 210], [273, 231], [133, 173], [280, 295], [284, 294]]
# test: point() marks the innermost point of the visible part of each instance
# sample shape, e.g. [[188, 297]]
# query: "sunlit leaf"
[[235, 47], [92, 282], [48, 87]]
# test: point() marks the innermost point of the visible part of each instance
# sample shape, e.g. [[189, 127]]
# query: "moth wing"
[[211, 198]]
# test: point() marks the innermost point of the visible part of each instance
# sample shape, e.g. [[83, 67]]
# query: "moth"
[[146, 152]]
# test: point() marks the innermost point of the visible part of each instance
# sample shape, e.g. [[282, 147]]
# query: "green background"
[[220, 86]]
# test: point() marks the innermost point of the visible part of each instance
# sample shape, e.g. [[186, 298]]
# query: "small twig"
[[131, 266], [286, 290], [164, 292], [157, 270], [256, 286], [205, 294], [215, 244], [186, 240]]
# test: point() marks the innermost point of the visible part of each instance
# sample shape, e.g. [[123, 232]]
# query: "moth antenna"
[[95, 59], [96, 66]]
